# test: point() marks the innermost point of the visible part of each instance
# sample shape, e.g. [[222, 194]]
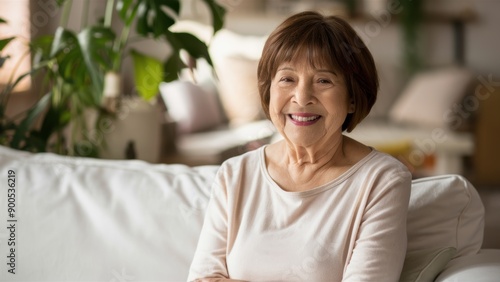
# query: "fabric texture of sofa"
[[78, 219]]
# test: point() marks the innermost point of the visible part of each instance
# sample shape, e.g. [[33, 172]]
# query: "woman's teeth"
[[302, 119]]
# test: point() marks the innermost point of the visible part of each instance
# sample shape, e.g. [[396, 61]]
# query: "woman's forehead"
[[301, 64], [302, 60]]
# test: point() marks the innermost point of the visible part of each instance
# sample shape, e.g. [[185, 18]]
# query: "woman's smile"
[[303, 119]]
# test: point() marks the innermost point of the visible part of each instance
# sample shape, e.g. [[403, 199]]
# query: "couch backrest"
[[98, 220], [445, 211]]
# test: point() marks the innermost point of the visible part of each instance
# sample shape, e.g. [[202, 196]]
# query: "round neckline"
[[316, 190]]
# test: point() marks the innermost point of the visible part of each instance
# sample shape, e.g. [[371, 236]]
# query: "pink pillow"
[[193, 108]]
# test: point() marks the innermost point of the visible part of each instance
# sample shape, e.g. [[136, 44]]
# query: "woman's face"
[[308, 105]]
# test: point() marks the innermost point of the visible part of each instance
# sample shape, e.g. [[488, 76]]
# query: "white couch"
[[77, 219]]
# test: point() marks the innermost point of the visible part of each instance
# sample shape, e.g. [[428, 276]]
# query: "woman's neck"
[[317, 155], [302, 168]]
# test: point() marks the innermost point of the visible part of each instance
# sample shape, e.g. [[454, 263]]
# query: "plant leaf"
[[127, 10], [63, 38], [148, 74], [218, 14], [40, 48], [172, 67], [3, 59], [28, 121], [152, 19], [4, 42], [92, 41], [54, 120], [193, 45], [174, 5]]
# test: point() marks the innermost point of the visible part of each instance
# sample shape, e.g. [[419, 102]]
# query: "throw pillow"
[[429, 98], [389, 76], [235, 58], [238, 89], [425, 265], [193, 108]]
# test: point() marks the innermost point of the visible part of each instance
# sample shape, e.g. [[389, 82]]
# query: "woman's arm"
[[209, 261], [380, 246]]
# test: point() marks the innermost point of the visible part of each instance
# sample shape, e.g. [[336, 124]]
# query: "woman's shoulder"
[[385, 167], [371, 161]]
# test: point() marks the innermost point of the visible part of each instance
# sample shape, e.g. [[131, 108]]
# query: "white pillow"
[[430, 96], [236, 58], [193, 108], [238, 89], [445, 211]]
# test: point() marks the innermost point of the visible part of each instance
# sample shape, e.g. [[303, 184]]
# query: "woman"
[[317, 205]]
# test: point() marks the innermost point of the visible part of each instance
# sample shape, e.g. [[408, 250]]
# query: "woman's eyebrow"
[[287, 68]]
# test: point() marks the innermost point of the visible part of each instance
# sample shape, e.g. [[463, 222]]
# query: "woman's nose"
[[303, 95]]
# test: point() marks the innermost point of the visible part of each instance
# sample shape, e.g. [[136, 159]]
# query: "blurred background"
[[175, 81]]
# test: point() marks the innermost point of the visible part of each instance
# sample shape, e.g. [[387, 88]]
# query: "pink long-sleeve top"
[[350, 229]]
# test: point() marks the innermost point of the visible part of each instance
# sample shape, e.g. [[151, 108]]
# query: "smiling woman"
[[332, 44], [317, 205]]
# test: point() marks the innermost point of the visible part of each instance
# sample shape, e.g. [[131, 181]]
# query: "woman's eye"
[[321, 80], [285, 79]]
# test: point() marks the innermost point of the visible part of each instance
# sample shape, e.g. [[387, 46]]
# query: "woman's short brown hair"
[[329, 40]]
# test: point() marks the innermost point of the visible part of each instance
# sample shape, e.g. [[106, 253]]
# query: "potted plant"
[[78, 67]]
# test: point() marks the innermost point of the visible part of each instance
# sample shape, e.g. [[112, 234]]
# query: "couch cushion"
[[445, 211], [97, 220], [484, 267], [425, 265]]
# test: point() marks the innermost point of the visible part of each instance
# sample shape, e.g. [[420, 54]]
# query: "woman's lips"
[[304, 119]]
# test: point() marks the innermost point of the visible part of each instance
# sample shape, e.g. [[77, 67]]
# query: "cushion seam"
[[459, 219], [431, 262]]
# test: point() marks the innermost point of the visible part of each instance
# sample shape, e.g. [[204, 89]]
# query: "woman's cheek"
[[277, 118]]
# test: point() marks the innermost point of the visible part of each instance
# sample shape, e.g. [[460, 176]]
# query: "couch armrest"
[[484, 266]]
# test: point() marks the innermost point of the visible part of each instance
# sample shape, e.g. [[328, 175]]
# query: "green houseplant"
[[3, 43], [73, 66]]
